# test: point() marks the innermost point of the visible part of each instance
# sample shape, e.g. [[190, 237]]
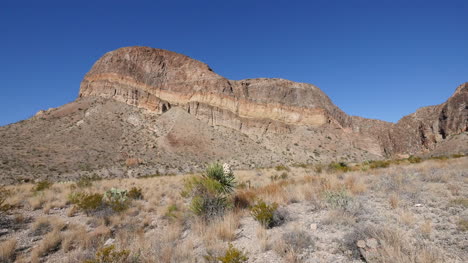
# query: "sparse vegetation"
[[210, 193], [232, 255], [110, 254], [86, 202], [318, 204], [267, 214], [42, 185]]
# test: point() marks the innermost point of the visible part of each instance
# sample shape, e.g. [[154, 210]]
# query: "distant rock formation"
[[157, 80]]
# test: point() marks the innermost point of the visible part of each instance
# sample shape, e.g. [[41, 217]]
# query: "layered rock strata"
[[156, 80]]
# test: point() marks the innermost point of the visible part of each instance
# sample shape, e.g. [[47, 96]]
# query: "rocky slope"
[[142, 110]]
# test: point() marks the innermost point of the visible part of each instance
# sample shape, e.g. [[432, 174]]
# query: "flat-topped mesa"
[[157, 79]]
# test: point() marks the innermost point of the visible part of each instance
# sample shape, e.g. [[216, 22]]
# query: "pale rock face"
[[156, 80]]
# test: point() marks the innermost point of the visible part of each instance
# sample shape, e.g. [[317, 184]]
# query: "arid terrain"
[[143, 110], [160, 159], [410, 211]]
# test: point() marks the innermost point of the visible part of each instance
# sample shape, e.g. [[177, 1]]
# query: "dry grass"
[[7, 250], [147, 231], [406, 217], [394, 201], [50, 243], [426, 228]]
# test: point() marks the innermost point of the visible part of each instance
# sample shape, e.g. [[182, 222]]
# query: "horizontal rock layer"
[[157, 80]]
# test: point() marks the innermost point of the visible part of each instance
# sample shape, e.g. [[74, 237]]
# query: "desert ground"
[[408, 210]]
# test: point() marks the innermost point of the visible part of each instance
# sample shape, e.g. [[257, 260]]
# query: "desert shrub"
[[171, 211], [109, 254], [211, 192], [135, 193], [338, 199], [232, 255], [84, 182], [282, 176], [459, 202], [86, 202], [379, 164], [462, 224], [243, 199], [340, 166], [42, 185], [117, 199], [225, 178], [414, 159], [297, 240], [267, 215], [282, 167]]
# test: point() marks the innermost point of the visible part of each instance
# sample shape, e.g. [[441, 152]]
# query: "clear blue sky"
[[376, 59]]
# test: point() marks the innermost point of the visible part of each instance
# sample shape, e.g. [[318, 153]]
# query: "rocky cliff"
[[145, 111], [157, 80]]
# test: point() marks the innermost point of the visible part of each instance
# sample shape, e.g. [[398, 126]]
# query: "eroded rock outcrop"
[[156, 80]]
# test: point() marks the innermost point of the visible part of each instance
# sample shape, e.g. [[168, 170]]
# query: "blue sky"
[[377, 59]]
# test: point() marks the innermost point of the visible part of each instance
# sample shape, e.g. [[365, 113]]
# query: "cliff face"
[[157, 80]]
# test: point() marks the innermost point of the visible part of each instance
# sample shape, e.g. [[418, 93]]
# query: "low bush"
[[117, 199], [282, 167], [462, 224], [340, 166], [172, 211], [267, 215], [414, 159], [379, 164], [42, 185], [135, 193], [110, 254], [211, 192], [338, 199], [232, 255], [86, 202]]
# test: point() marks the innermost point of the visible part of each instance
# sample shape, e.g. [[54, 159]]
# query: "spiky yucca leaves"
[[210, 192], [224, 176]]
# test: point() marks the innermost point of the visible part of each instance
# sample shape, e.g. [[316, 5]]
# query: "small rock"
[[109, 242], [4, 232], [372, 243], [418, 205], [313, 227], [361, 243]]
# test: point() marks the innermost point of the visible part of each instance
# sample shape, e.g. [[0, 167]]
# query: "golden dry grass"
[[166, 244], [7, 250]]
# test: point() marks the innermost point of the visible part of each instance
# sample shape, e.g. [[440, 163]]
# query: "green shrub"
[[135, 193], [172, 211], [338, 199], [232, 255], [340, 166], [379, 164], [110, 255], [210, 192], [462, 224], [282, 167], [42, 185], [86, 202], [264, 213], [117, 199], [414, 159], [459, 202], [216, 172], [84, 182]]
